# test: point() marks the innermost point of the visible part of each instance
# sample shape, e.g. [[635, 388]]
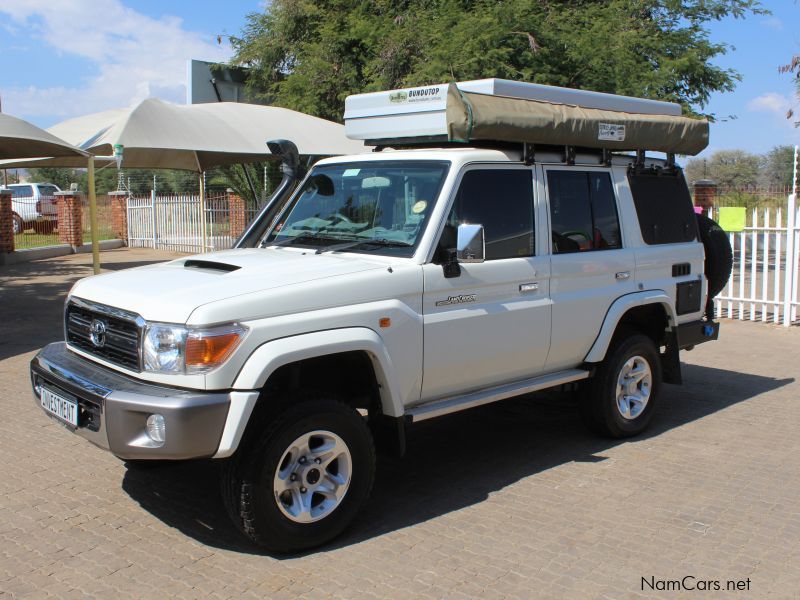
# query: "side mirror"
[[470, 245]]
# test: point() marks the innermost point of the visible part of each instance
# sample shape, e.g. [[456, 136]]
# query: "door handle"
[[528, 287], [623, 275]]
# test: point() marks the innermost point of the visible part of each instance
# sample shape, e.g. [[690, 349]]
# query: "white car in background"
[[34, 206]]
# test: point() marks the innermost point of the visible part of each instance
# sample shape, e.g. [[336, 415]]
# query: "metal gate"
[[766, 268], [184, 223]]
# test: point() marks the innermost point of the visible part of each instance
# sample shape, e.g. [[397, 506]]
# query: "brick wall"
[[238, 217], [705, 192], [119, 215], [6, 223], [70, 223]]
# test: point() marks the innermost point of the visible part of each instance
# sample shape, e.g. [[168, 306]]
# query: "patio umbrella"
[[160, 135], [20, 139]]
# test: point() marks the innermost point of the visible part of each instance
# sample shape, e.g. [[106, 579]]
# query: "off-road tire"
[[599, 396], [719, 254], [247, 477], [19, 224]]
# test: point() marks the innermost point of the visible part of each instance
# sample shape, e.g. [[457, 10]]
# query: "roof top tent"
[[497, 110]]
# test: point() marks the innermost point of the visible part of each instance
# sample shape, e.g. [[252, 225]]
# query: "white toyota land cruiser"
[[398, 286]]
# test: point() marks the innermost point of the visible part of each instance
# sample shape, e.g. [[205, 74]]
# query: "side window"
[[583, 211], [47, 190], [664, 207], [21, 191], [502, 201]]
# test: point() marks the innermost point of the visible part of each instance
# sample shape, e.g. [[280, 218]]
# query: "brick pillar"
[[119, 215], [6, 223], [70, 223], [705, 193], [238, 216]]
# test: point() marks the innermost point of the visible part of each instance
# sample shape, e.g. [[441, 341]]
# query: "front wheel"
[[619, 401], [301, 482]]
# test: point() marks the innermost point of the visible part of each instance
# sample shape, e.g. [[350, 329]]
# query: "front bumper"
[[113, 408]]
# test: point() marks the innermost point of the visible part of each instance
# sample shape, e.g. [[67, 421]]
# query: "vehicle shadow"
[[33, 293], [452, 463]]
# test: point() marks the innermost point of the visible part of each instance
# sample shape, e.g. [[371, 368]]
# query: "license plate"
[[62, 408]]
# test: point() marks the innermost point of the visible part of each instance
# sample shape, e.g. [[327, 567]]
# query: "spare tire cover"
[[719, 254]]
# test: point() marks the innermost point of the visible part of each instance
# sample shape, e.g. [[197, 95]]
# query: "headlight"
[[177, 349]]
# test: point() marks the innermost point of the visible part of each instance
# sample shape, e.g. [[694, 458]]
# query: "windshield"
[[381, 207]]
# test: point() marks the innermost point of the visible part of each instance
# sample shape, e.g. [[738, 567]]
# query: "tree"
[[310, 55], [727, 168], [777, 167], [61, 177]]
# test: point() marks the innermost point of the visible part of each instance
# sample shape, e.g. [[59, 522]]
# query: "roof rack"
[[508, 111]]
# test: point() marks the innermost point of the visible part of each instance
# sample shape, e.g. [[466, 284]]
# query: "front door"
[[491, 323]]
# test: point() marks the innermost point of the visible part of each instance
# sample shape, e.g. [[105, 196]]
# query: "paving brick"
[[513, 500]]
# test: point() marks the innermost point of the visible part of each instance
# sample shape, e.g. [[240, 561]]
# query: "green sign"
[[733, 218]]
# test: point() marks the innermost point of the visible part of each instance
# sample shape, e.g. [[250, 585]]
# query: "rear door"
[[47, 200], [591, 266], [491, 323]]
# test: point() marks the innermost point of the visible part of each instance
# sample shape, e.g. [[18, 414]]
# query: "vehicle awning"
[[475, 117]]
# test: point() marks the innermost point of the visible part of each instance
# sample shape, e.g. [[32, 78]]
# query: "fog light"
[[156, 429], [37, 387]]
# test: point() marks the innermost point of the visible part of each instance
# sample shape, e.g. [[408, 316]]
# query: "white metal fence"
[[182, 224], [766, 268]]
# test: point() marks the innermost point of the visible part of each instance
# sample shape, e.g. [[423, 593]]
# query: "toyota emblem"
[[97, 333]]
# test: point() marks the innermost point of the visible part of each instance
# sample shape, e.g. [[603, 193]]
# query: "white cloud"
[[778, 105], [135, 56], [773, 23], [770, 102]]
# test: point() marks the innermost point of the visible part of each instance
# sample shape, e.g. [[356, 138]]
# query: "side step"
[[493, 394]]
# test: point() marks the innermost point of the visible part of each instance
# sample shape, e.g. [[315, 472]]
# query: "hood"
[[170, 291]]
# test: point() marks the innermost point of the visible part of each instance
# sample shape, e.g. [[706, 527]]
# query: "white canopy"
[[20, 139], [196, 137]]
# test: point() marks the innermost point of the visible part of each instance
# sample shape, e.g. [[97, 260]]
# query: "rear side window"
[[502, 201], [47, 190], [21, 191], [664, 207], [583, 211]]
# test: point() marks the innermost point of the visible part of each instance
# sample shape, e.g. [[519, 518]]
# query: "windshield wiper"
[[378, 243], [297, 239]]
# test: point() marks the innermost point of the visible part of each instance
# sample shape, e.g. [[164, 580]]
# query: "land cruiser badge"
[[457, 299]]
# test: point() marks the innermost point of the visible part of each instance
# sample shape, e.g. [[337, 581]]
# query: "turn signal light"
[[205, 350]]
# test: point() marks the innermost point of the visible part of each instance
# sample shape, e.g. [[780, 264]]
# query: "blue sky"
[[63, 58]]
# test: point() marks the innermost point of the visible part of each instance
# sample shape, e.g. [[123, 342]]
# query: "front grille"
[[121, 338]]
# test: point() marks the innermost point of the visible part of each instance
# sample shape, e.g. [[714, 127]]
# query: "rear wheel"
[[19, 224], [620, 399], [301, 482]]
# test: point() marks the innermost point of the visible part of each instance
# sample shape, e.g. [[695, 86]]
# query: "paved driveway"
[[511, 500]]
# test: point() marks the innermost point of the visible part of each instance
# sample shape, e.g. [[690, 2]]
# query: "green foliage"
[[61, 177], [777, 167], [309, 55], [140, 181], [727, 168]]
